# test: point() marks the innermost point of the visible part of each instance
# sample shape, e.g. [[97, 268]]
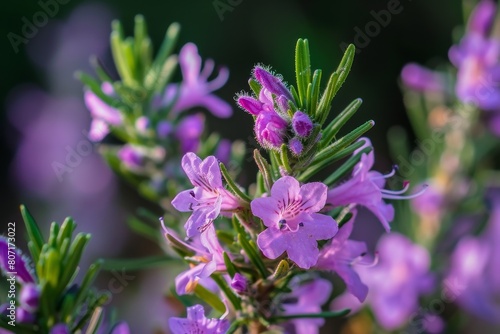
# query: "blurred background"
[[44, 121]]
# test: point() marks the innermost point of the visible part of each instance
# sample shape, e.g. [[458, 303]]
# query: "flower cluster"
[[157, 121], [477, 61], [49, 301], [287, 230]]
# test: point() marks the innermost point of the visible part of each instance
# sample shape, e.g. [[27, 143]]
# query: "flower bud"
[[142, 124], [295, 146], [270, 129], [59, 329], [29, 297], [239, 284], [301, 124], [130, 156], [271, 82], [250, 104], [24, 316]]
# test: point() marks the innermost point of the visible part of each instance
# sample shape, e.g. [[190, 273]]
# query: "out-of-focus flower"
[[130, 156], [340, 255], [208, 198], [210, 257], [189, 132], [102, 114], [477, 59], [306, 298], [195, 89], [294, 226], [239, 283], [196, 322], [301, 124], [60, 329], [395, 283], [475, 265], [422, 79], [29, 297]]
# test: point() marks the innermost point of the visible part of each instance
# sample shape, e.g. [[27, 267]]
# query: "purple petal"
[[250, 104], [190, 62], [313, 196], [217, 106], [353, 282], [286, 188], [266, 208], [272, 243], [301, 249], [20, 267], [318, 226]]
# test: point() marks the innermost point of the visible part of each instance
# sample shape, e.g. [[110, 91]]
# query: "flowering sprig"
[[285, 227], [151, 115], [49, 300]]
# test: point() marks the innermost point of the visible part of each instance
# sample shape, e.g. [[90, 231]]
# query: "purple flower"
[[20, 266], [306, 298], [30, 297], [340, 255], [24, 316], [293, 224], [301, 124], [164, 129], [271, 82], [120, 328], [196, 322], [270, 130], [189, 132], [59, 329], [295, 146], [209, 253], [102, 114], [239, 283], [223, 151], [131, 156], [142, 124], [396, 283], [365, 188], [422, 79], [195, 89], [208, 198], [477, 59], [481, 19], [474, 276]]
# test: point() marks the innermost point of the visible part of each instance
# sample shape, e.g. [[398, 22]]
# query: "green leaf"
[[117, 49], [310, 315], [285, 160], [255, 86], [344, 141], [35, 236], [95, 87], [95, 321], [281, 270], [265, 169], [333, 128], [87, 281], [302, 70], [315, 90], [234, 299], [54, 231], [52, 267], [233, 186], [231, 269], [210, 298], [154, 73], [75, 254], [346, 167], [252, 254], [138, 263], [345, 66], [66, 231], [325, 102], [142, 228]]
